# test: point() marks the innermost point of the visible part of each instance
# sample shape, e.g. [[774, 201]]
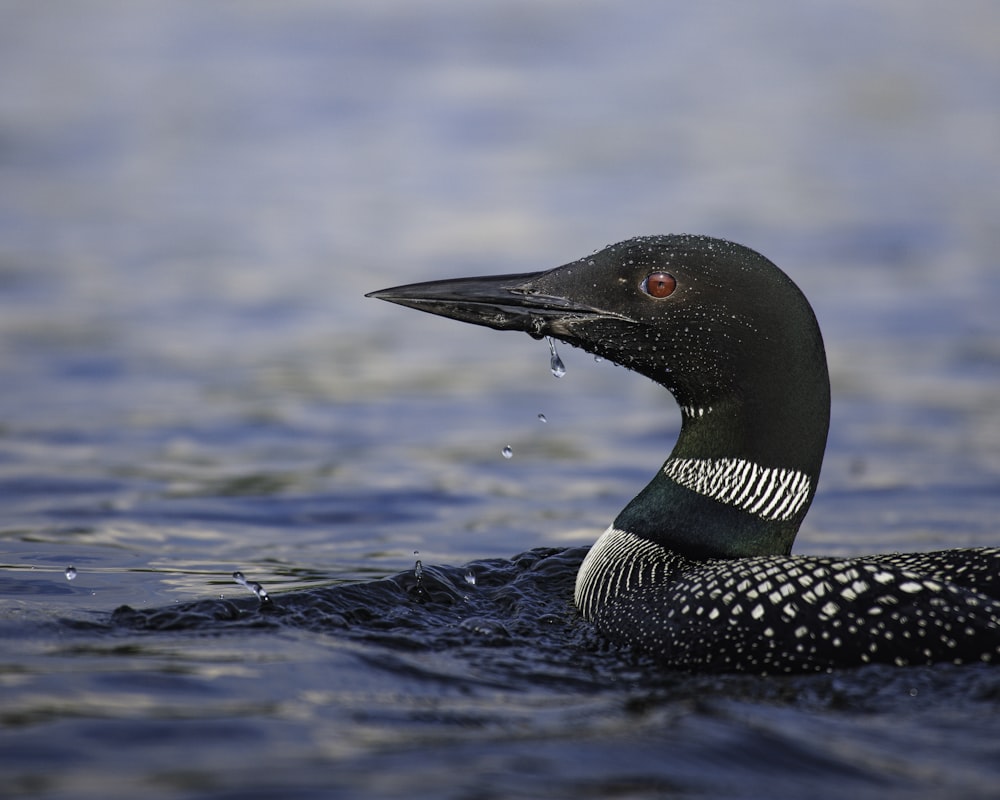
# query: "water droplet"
[[253, 586], [542, 418], [70, 573], [555, 363], [598, 359], [258, 590], [507, 451], [417, 590], [470, 577]]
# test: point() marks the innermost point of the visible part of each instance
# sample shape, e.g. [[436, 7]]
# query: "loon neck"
[[739, 480], [728, 334]]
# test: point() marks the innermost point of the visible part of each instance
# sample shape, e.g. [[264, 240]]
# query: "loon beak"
[[502, 302]]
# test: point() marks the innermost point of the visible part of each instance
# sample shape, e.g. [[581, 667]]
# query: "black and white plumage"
[[696, 570], [793, 613]]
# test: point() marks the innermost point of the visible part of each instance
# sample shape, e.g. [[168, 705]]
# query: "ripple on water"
[[523, 603]]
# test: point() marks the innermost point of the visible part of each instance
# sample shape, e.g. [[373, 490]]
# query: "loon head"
[[728, 334]]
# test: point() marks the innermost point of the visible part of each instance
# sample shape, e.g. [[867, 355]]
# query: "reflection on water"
[[196, 199]]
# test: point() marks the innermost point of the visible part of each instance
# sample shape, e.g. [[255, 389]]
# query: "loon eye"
[[659, 285]]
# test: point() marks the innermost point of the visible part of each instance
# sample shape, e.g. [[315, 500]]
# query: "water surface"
[[196, 199]]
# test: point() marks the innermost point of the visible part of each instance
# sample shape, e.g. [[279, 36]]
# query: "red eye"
[[659, 285]]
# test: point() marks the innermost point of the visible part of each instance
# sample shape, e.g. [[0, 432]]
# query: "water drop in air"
[[555, 363], [470, 577], [598, 359], [70, 573], [542, 418], [507, 451], [258, 590], [253, 586]]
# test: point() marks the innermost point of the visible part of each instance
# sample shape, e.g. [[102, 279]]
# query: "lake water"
[[195, 198]]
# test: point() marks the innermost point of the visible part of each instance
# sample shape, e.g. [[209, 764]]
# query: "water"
[[258, 590], [556, 365], [196, 198]]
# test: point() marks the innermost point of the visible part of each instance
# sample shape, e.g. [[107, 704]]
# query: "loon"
[[697, 570]]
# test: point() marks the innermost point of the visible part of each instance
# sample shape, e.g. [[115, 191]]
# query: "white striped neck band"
[[771, 493]]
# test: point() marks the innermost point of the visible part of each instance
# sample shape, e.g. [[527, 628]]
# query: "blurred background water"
[[194, 199]]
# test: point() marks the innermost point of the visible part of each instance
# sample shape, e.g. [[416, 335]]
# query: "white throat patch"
[[769, 492]]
